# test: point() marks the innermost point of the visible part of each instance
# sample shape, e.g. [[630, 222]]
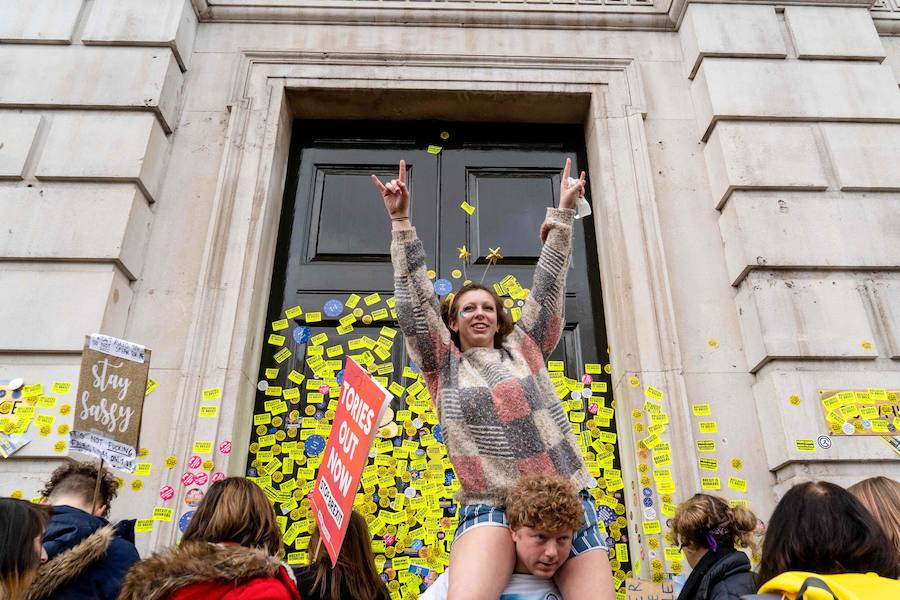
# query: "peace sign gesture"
[[395, 194]]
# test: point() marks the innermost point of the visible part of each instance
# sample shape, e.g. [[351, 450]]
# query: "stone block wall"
[[800, 117], [90, 103]]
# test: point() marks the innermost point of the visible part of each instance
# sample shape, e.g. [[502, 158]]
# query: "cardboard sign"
[[638, 589], [360, 406], [111, 389], [119, 456]]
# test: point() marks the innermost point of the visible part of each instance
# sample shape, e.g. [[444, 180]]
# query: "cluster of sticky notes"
[[408, 484], [872, 411], [31, 410]]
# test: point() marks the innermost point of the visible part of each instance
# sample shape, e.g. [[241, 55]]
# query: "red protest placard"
[[360, 407]]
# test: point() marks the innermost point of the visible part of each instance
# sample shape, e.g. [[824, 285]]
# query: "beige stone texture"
[[786, 423], [105, 146], [168, 23], [790, 89], [833, 32], [862, 155], [91, 77], [886, 299], [762, 156], [38, 21], [795, 315], [17, 133], [76, 222], [747, 30], [809, 231], [57, 304]]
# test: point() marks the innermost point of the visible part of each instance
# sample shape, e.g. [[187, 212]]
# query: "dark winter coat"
[[88, 558], [722, 576], [203, 571], [306, 579]]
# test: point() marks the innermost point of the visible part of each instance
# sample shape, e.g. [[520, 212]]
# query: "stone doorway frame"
[[228, 324]]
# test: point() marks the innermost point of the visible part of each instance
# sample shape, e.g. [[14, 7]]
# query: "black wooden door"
[[333, 252]]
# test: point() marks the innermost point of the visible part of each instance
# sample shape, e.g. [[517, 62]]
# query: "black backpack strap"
[[815, 582]]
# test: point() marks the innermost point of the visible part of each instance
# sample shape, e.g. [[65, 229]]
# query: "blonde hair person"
[[881, 495], [710, 532]]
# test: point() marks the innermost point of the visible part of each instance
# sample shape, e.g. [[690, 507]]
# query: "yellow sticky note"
[[262, 419], [143, 525], [203, 447], [708, 427], [652, 527], [313, 317], [208, 411], [143, 468], [296, 377], [433, 149], [151, 385], [706, 445], [319, 339], [805, 445], [622, 553], [61, 387], [736, 483], [653, 393], [701, 410], [282, 355], [212, 393], [293, 312], [31, 391], [710, 483], [673, 554], [161, 513], [467, 207], [291, 393], [280, 324], [556, 365], [708, 464], [275, 339], [46, 402]]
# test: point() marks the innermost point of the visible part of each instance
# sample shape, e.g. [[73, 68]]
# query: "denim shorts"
[[587, 538]]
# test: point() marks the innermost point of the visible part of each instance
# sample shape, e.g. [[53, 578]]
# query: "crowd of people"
[[527, 524]]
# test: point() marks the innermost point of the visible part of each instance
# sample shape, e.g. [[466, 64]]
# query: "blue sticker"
[[867, 424], [340, 377], [648, 501], [319, 415], [251, 472], [417, 544], [301, 334], [606, 514], [333, 308], [647, 492], [448, 478], [442, 287], [184, 520], [438, 433], [413, 367], [376, 497], [314, 444]]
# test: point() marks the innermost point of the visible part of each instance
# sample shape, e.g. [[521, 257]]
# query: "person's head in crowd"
[[544, 512], [476, 318], [355, 572], [820, 527], [73, 484], [707, 523], [21, 527], [235, 510], [881, 496]]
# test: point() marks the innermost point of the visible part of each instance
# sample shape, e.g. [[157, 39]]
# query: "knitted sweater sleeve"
[[418, 308], [543, 315]]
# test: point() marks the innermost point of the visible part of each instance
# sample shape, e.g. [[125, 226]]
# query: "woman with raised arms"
[[499, 414]]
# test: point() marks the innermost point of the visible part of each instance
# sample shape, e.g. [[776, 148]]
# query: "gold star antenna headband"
[[492, 258], [464, 255]]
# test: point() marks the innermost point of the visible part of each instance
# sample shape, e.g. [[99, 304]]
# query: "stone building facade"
[[743, 171]]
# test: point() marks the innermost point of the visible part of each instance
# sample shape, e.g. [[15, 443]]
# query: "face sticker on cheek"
[[466, 313]]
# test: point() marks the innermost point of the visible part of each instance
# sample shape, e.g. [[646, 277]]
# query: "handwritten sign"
[[111, 389], [360, 407], [120, 456], [638, 589]]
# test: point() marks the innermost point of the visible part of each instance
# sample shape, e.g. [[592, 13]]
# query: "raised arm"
[[418, 308], [543, 315]]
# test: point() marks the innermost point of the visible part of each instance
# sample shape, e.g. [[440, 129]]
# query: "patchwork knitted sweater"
[[499, 414]]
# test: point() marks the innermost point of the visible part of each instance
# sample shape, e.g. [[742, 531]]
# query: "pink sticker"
[[167, 492], [389, 540], [187, 479], [592, 408], [225, 447], [587, 379], [324, 389], [194, 462], [218, 476], [201, 478]]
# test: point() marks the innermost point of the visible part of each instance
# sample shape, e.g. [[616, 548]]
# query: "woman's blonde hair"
[[235, 510], [881, 496], [707, 521], [355, 569]]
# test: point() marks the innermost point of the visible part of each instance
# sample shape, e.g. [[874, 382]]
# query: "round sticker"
[[171, 461], [410, 492], [333, 307], [187, 479], [606, 514], [137, 484], [587, 393], [649, 513], [634, 381], [442, 287], [201, 478], [225, 447], [456, 273], [314, 444], [848, 428], [208, 465], [167, 492], [438, 433], [183, 521], [586, 379], [16, 383], [575, 395], [647, 492], [339, 377], [648, 502], [194, 462], [324, 389], [301, 334], [824, 442], [218, 476], [263, 385]]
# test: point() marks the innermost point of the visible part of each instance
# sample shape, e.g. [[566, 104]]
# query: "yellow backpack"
[[797, 585]]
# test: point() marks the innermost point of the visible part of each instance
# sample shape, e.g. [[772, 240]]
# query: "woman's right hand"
[[395, 194]]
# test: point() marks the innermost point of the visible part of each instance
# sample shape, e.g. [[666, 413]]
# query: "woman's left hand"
[[568, 194]]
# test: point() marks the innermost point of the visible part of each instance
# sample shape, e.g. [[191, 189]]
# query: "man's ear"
[[514, 533], [100, 510]]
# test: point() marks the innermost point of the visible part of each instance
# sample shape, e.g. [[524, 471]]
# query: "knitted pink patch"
[[509, 400], [536, 465], [470, 472]]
